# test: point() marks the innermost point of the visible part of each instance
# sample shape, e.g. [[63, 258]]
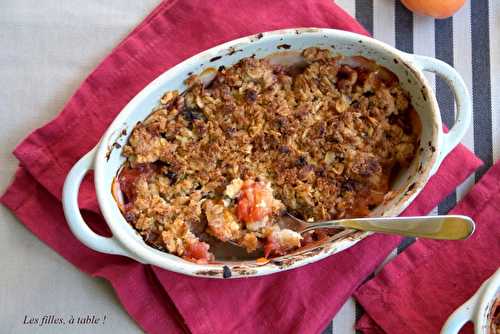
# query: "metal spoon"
[[449, 227], [446, 227]]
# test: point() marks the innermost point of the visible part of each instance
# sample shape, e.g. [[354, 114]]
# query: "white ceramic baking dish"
[[105, 159], [477, 309]]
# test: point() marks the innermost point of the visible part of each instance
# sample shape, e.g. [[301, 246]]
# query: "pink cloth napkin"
[[419, 289], [302, 300]]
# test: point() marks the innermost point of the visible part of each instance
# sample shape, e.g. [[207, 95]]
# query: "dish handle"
[[459, 317], [462, 98], [72, 212]]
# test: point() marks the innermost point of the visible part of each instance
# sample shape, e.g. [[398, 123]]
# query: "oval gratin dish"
[[106, 158]]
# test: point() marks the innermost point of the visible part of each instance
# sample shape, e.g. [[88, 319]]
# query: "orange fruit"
[[439, 9]]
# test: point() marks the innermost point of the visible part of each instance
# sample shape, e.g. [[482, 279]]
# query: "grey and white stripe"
[[444, 51], [404, 28], [364, 14], [464, 41], [462, 60], [404, 42], [481, 84]]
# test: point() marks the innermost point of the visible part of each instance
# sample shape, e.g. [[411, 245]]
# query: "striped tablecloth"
[[470, 42]]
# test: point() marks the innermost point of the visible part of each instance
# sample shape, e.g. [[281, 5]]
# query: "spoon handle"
[[449, 227]]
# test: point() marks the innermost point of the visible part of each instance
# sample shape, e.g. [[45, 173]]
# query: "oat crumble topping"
[[322, 141]]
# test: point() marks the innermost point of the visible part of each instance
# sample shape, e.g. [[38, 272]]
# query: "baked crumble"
[[322, 141]]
